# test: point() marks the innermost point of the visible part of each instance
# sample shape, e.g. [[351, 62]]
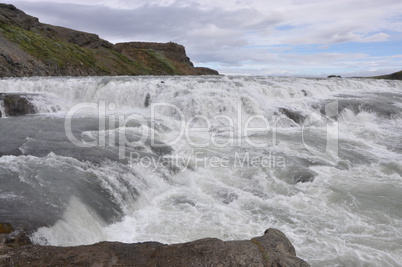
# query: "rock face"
[[151, 55], [15, 105], [271, 249], [31, 48]]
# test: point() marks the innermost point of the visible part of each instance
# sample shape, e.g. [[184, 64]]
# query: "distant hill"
[[393, 76], [31, 48]]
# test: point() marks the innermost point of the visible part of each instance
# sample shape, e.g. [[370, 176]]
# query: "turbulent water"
[[174, 159]]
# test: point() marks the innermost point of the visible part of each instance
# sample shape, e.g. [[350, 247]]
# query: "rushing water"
[[174, 159]]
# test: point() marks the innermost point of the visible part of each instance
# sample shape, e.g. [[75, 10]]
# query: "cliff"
[[31, 48], [272, 249], [169, 57]]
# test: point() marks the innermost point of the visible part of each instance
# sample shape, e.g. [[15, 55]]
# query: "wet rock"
[[293, 115], [18, 238], [147, 100], [277, 249], [10, 237], [271, 249], [16, 105], [303, 175], [5, 228]]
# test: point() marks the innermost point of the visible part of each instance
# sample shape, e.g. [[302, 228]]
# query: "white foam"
[[79, 225], [2, 110], [193, 95]]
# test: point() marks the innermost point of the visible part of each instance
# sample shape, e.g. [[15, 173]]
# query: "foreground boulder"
[[271, 249], [15, 105]]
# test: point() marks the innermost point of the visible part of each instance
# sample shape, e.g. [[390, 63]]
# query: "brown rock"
[[10, 14], [277, 249], [18, 238], [272, 249], [10, 237], [206, 71], [5, 228]]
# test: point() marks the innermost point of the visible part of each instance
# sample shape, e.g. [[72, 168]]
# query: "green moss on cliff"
[[47, 50], [35, 49], [155, 62], [161, 62], [62, 55], [114, 63]]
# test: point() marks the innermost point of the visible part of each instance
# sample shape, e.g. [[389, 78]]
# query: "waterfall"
[[174, 159]]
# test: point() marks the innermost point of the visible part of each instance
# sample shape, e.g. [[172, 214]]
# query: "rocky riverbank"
[[271, 249], [31, 48]]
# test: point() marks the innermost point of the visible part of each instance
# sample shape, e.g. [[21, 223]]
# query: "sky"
[[249, 37]]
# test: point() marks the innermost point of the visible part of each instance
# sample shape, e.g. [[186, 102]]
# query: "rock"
[[271, 249], [303, 176], [10, 237], [18, 238], [16, 105], [147, 100], [10, 14], [5, 228], [206, 71], [277, 249], [293, 115], [83, 39], [334, 76]]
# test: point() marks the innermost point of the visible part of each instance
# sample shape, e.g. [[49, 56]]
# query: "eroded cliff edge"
[[31, 48]]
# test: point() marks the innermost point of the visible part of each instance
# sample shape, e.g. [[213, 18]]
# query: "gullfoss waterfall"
[[175, 159]]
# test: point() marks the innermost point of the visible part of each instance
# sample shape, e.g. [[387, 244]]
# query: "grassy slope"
[[155, 62], [103, 61]]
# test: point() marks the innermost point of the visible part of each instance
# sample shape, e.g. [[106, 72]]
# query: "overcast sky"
[[262, 37]]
